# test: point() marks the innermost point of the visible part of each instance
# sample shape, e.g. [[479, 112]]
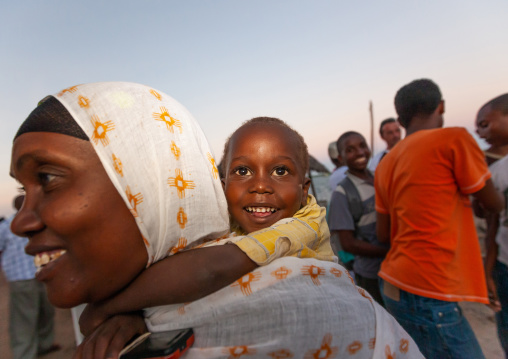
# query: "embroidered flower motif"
[[69, 90], [314, 273], [134, 200], [354, 347], [336, 272], [170, 121], [215, 170], [83, 102], [281, 273], [388, 353], [372, 343], [175, 150], [100, 131], [281, 354], [181, 218], [238, 351], [364, 293], [404, 346], [156, 94], [325, 352], [182, 243], [245, 281], [117, 165], [180, 184]]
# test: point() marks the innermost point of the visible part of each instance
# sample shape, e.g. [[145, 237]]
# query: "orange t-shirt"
[[423, 184]]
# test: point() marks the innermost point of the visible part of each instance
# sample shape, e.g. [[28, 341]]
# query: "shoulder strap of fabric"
[[353, 198]]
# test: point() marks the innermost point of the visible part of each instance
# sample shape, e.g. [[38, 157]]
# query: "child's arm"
[[181, 278], [490, 260], [356, 246]]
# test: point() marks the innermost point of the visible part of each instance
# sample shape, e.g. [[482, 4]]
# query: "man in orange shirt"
[[423, 210]]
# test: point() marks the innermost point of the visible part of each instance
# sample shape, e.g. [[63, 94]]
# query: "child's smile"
[[264, 179]]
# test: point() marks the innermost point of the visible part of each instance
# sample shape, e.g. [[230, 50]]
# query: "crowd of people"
[[407, 219], [124, 209]]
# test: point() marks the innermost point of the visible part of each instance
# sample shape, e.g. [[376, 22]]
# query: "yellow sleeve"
[[305, 235]]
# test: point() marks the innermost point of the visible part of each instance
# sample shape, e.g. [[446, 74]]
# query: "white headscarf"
[[158, 159]]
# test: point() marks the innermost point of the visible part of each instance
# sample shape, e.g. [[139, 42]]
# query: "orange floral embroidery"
[[134, 200], [215, 170], [350, 277], [182, 243], [146, 241], [245, 281], [83, 102], [404, 346], [100, 131], [181, 218], [175, 150], [364, 293], [388, 352], [69, 89], [314, 273], [165, 117], [181, 310], [156, 94], [325, 352], [336, 272], [117, 164], [238, 351], [372, 343], [281, 354], [180, 184], [281, 273], [354, 347]]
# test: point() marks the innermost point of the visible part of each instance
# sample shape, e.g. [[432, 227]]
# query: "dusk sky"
[[314, 64]]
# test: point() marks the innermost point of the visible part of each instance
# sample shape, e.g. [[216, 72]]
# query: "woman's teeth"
[[41, 259], [260, 209]]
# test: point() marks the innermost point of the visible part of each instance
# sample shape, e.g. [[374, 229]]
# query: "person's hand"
[[92, 317], [494, 302], [108, 340]]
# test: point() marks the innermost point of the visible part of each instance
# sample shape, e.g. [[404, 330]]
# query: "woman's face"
[[73, 214]]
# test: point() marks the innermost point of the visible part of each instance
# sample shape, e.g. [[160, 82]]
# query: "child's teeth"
[[260, 209]]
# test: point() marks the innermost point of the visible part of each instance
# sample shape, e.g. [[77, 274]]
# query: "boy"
[[422, 199], [492, 119], [358, 235], [265, 163]]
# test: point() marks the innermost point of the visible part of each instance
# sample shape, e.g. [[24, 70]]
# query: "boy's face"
[[391, 134], [492, 126], [355, 153], [264, 180]]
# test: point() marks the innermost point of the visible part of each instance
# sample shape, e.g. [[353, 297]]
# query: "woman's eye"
[[242, 171], [280, 171]]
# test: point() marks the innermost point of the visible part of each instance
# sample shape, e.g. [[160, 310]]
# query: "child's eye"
[[242, 171], [280, 171]]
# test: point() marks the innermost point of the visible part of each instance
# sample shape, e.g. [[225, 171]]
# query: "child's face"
[[355, 153], [492, 125], [264, 180]]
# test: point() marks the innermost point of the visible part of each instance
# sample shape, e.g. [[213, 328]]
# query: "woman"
[[121, 176]]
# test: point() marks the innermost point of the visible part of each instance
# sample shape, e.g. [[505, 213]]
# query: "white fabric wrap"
[[156, 153]]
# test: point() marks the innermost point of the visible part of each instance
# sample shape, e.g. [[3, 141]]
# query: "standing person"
[[422, 199], [357, 231], [30, 313], [493, 119], [339, 172], [389, 130]]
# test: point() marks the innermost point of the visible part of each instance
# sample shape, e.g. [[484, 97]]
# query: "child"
[[357, 232], [265, 163], [492, 119]]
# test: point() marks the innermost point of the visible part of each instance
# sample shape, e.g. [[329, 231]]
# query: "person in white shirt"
[[389, 130], [339, 172]]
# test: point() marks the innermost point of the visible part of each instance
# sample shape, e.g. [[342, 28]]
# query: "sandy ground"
[[480, 317]]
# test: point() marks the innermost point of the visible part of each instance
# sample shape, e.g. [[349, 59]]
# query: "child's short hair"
[[344, 137], [420, 97], [302, 150], [500, 103]]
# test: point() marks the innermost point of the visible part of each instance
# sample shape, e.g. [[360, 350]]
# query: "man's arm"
[[356, 246], [383, 227], [490, 260], [181, 278], [490, 198]]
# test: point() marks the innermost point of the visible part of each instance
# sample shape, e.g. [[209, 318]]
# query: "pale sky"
[[314, 64]]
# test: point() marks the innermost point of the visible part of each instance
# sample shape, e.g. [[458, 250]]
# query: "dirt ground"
[[479, 316]]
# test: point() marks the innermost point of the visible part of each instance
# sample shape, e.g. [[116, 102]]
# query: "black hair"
[[420, 97], [384, 122], [302, 150], [51, 116], [500, 103], [344, 137]]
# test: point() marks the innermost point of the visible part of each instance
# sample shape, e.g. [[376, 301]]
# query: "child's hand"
[[91, 318], [108, 340]]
